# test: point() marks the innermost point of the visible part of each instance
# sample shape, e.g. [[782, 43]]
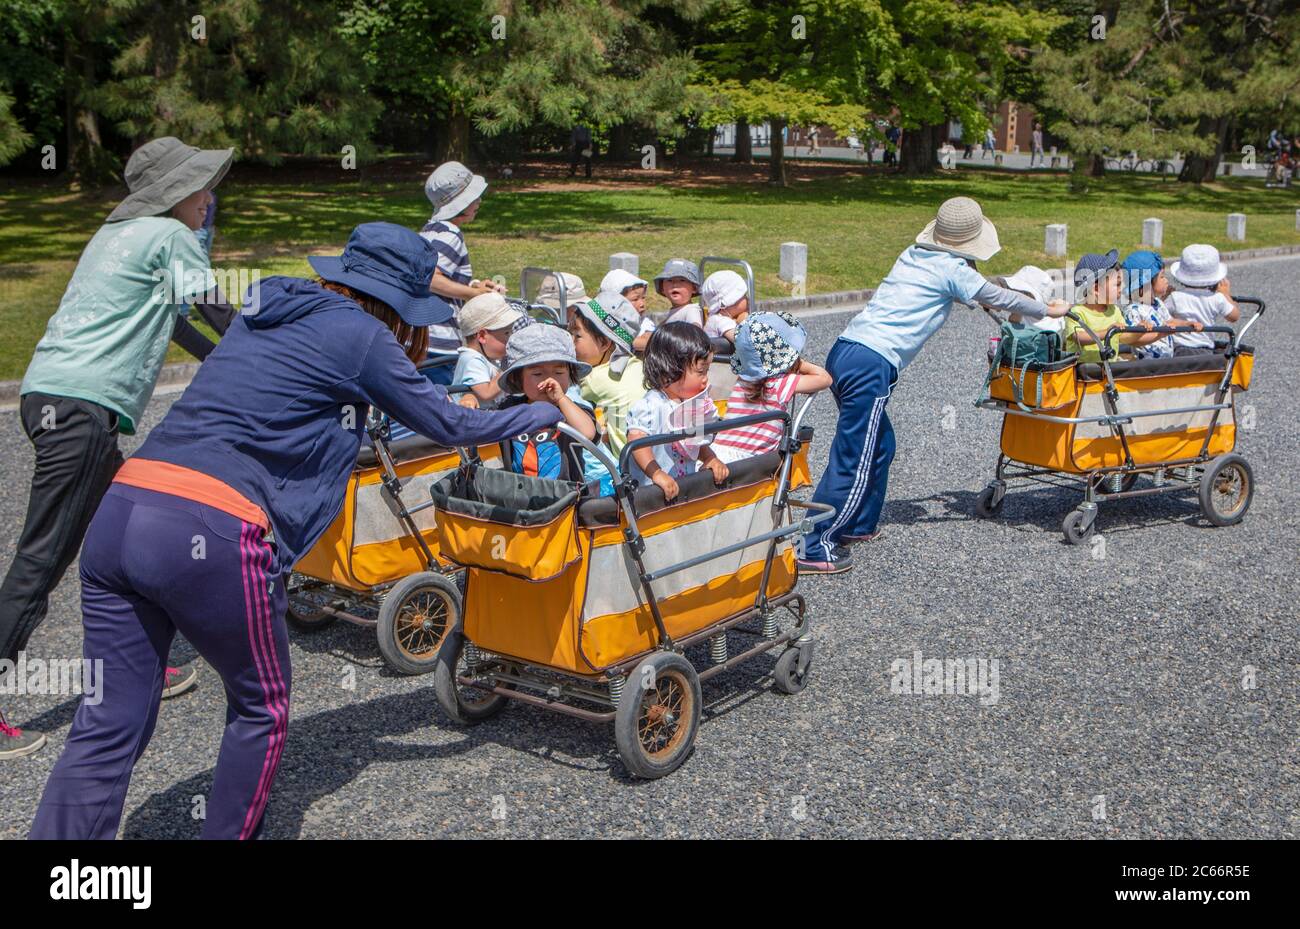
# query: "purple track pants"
[[153, 564]]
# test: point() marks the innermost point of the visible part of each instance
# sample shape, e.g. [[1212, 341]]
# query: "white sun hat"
[[1031, 280], [1199, 266], [618, 280], [451, 188], [960, 228]]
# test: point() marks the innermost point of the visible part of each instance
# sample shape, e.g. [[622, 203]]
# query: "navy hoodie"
[[277, 411]]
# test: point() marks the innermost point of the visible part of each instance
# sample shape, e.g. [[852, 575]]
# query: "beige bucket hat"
[[960, 228]]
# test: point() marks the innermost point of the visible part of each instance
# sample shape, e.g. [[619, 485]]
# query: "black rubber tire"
[[786, 675], [984, 507], [638, 722], [414, 618], [303, 617], [452, 697], [1229, 467], [1070, 527]]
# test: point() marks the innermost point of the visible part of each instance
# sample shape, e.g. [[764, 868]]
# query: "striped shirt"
[[759, 438], [453, 261]]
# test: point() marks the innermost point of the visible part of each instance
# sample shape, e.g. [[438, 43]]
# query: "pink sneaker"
[[15, 743], [178, 680]]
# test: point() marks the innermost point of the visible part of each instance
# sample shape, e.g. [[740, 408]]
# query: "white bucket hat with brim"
[[1033, 281], [618, 280], [960, 228], [486, 311], [162, 173], [723, 289], [451, 188], [536, 345], [1199, 266], [548, 294]]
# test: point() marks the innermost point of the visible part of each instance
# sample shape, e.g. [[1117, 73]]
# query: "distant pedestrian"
[[1037, 142], [813, 147], [580, 147], [988, 143]]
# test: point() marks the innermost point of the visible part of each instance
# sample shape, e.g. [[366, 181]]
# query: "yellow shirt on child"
[[615, 397], [1098, 321]]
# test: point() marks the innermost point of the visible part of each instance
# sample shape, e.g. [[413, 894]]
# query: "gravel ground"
[[1119, 677]]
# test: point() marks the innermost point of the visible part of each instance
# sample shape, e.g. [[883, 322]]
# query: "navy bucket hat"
[[392, 264]]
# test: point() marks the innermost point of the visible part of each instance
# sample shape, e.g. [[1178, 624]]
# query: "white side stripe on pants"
[[860, 480]]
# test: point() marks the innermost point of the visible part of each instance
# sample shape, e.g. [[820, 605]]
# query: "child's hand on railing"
[[719, 469], [468, 399], [664, 481]]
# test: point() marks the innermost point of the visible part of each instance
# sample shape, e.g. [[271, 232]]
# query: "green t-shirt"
[[615, 397], [107, 340], [1098, 321]]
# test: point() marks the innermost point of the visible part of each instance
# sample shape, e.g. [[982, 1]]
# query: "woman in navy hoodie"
[[260, 446]]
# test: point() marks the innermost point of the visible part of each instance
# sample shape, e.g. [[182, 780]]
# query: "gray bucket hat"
[[451, 188], [536, 345], [163, 172], [617, 320], [678, 267]]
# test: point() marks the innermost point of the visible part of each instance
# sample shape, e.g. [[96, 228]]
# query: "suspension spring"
[[718, 648], [616, 690], [769, 625]]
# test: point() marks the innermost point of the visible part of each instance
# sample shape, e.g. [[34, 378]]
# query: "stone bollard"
[[794, 262], [1236, 227], [997, 159], [1054, 241], [624, 261], [1153, 233]]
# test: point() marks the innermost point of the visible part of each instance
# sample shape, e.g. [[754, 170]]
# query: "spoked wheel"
[[1227, 487], [304, 611], [658, 715], [1078, 525], [989, 502], [793, 668], [463, 703], [413, 620]]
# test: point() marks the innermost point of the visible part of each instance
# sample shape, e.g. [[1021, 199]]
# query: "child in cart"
[[486, 323], [769, 374], [603, 333], [726, 297], [541, 365], [679, 282], [632, 289], [575, 292], [1147, 287], [677, 400], [1099, 285], [1206, 297], [1036, 284]]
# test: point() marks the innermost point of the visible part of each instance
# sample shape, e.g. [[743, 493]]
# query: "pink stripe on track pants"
[[154, 564]]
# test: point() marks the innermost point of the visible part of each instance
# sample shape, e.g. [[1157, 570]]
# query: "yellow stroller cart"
[[1105, 426], [377, 564], [585, 605]]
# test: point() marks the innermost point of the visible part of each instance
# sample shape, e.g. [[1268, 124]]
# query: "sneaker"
[[864, 538], [839, 562], [15, 743], [178, 680]]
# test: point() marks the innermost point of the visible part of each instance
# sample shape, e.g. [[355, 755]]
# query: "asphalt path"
[[1147, 688]]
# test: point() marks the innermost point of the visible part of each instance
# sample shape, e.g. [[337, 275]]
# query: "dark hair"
[[673, 349], [414, 340], [590, 329]]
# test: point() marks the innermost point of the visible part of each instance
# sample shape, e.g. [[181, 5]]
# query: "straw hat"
[[960, 228]]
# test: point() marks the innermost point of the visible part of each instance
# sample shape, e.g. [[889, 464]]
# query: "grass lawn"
[[854, 220]]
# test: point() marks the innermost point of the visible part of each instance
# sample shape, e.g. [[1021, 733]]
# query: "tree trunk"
[[90, 164], [776, 164], [1096, 165], [1199, 169], [620, 142], [452, 142], [744, 144], [917, 153]]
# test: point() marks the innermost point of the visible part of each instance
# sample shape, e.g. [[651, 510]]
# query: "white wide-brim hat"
[[1031, 280], [960, 228], [451, 188], [1199, 266]]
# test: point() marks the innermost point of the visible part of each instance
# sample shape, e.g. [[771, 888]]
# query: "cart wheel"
[[464, 704], [989, 502], [414, 618], [658, 715], [1227, 487], [306, 615], [1075, 528], [793, 668]]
